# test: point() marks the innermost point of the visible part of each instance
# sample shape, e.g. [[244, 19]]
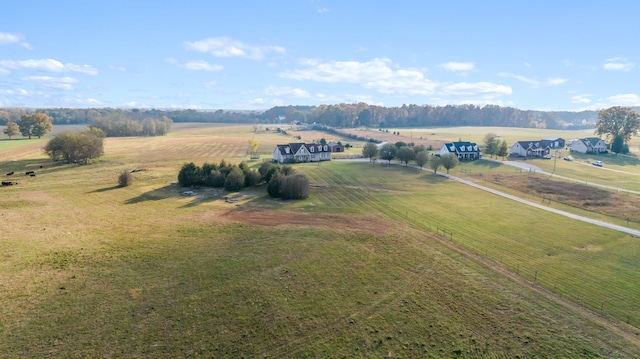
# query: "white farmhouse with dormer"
[[589, 145], [301, 152], [464, 150]]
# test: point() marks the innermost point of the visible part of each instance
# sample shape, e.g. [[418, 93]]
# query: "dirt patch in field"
[[616, 204], [279, 218]]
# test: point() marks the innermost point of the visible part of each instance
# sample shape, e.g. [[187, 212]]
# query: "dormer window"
[[286, 150], [312, 149]]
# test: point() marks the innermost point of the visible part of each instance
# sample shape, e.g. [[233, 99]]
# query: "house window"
[[312, 149]]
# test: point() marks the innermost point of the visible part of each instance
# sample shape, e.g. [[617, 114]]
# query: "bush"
[[214, 179], [235, 180], [273, 188], [251, 178], [295, 186], [190, 175], [125, 179]]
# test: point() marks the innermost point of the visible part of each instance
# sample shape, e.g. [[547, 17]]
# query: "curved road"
[[615, 227]]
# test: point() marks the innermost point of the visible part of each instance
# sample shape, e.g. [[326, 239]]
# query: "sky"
[[253, 55]]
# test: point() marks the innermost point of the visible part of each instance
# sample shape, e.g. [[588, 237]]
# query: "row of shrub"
[[282, 181]]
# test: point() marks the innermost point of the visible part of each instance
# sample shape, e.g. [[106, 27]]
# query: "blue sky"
[[534, 55]]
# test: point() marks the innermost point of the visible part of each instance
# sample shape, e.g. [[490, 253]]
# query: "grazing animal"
[[8, 183], [32, 175], [41, 166], [29, 173], [10, 173]]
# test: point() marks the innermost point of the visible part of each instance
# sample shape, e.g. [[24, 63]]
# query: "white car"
[[547, 157], [188, 193], [597, 163]]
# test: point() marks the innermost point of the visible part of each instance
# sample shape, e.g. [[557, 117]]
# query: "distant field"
[[359, 269]]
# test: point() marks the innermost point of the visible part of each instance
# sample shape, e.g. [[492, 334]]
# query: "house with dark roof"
[[589, 145], [536, 148], [301, 152], [553, 142], [466, 151]]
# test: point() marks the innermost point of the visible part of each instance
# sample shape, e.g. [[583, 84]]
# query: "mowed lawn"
[[92, 270]]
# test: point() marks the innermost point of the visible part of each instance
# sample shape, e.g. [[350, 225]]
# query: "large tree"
[[76, 147], [370, 151], [405, 154], [388, 152], [618, 121], [421, 158], [434, 163], [449, 161], [491, 143], [503, 149], [37, 125], [12, 129]]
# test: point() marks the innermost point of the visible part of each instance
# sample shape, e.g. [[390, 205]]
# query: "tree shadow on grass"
[[157, 194], [40, 166], [106, 189]]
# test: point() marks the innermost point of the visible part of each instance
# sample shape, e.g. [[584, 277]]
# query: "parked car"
[[547, 157], [597, 163], [567, 158]]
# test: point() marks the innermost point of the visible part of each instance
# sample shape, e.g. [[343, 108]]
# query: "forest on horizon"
[[340, 115]]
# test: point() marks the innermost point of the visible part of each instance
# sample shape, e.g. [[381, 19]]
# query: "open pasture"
[[92, 270], [530, 242]]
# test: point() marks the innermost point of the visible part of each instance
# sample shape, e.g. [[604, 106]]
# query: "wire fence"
[[613, 305]]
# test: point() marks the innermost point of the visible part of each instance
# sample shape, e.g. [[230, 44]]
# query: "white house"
[[301, 152], [589, 145], [464, 150], [529, 149]]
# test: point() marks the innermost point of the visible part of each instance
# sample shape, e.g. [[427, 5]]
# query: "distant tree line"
[[338, 115], [282, 181], [123, 127]]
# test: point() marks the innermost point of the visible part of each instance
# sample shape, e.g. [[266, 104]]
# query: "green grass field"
[[359, 269]]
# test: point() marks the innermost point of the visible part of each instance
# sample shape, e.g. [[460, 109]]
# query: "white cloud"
[[618, 64], [476, 88], [322, 10], [209, 84], [117, 68], [376, 74], [61, 83], [458, 66], [199, 65], [47, 65], [581, 99], [287, 91], [7, 38], [552, 81], [624, 100], [83, 101], [227, 47]]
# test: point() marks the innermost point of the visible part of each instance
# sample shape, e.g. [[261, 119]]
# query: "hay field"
[[92, 270]]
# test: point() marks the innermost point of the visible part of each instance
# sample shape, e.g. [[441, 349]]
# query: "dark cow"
[[32, 175], [10, 173], [7, 183], [29, 173]]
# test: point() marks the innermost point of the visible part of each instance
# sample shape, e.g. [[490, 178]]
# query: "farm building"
[[589, 145], [335, 147], [301, 152], [464, 150]]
